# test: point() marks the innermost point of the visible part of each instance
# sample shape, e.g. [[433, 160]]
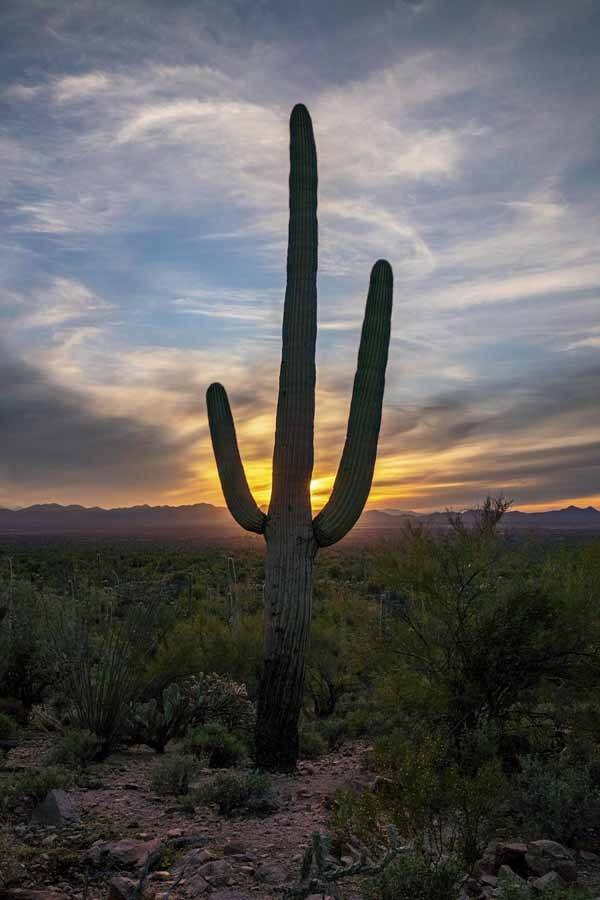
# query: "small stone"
[[505, 873], [233, 848], [549, 856], [160, 875], [271, 873], [549, 880], [57, 809], [126, 853], [512, 854], [120, 888], [23, 894], [217, 872], [489, 881]]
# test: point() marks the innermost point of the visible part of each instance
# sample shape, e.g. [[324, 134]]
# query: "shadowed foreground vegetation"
[[465, 665]]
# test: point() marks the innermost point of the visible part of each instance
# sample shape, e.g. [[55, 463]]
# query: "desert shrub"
[[225, 701], [75, 749], [99, 642], [312, 743], [8, 727], [24, 674], [432, 803], [161, 719], [479, 634], [34, 784], [172, 774], [213, 741], [238, 792], [556, 800], [206, 643], [337, 664], [416, 877]]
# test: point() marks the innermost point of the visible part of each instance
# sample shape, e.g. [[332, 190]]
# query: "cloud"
[[144, 207], [53, 444]]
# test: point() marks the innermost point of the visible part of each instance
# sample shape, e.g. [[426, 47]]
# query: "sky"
[[143, 227]]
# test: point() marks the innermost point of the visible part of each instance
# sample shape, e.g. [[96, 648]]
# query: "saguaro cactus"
[[292, 535]]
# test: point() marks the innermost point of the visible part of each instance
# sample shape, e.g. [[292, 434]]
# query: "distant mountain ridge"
[[204, 518]]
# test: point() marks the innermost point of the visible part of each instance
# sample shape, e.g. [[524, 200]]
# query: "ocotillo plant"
[[292, 535]]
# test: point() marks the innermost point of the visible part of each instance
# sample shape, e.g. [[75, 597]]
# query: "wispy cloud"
[[144, 208]]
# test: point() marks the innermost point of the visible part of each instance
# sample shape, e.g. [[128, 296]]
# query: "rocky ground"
[[120, 840], [122, 822]]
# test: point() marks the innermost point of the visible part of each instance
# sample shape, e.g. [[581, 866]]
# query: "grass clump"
[[215, 742], [238, 792], [8, 727], [416, 877], [173, 773], [75, 749], [312, 743], [35, 784]]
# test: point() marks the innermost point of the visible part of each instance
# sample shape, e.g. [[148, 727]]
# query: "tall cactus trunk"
[[292, 535], [288, 607]]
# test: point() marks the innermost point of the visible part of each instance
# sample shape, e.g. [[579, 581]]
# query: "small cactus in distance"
[[292, 535]]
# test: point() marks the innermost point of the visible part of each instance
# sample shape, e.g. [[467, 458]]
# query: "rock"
[[487, 863], [22, 894], [489, 881], [505, 873], [197, 857], [271, 873], [549, 856], [58, 809], [217, 872], [120, 888], [160, 875], [549, 880], [232, 895], [233, 848], [124, 854], [512, 855], [472, 888]]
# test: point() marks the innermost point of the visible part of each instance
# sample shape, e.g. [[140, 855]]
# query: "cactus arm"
[[293, 452], [240, 502], [355, 474]]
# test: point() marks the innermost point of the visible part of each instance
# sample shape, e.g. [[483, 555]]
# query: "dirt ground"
[[118, 802]]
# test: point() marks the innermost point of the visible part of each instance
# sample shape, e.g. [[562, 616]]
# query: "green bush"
[[99, 641], [172, 774], [34, 784], [238, 792], [8, 727], [427, 798], [312, 743], [555, 800], [222, 748], [415, 877], [75, 749], [161, 718]]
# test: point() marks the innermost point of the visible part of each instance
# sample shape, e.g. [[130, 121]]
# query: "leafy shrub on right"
[[416, 877], [554, 799]]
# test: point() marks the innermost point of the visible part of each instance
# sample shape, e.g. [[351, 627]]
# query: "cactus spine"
[[292, 535]]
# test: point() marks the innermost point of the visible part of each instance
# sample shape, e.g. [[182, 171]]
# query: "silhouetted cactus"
[[292, 536]]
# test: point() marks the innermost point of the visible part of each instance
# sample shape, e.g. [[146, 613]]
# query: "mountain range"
[[204, 520]]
